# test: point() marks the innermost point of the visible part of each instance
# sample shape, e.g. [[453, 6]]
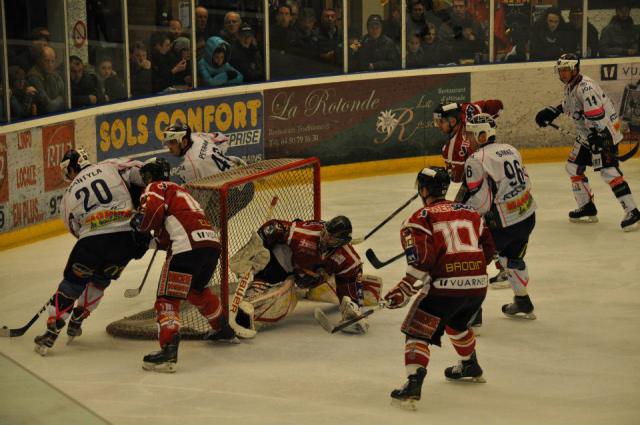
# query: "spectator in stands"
[[466, 47], [84, 86], [246, 57], [202, 30], [436, 51], [306, 45], [551, 36], [175, 29], [232, 23], [330, 38], [463, 23], [376, 51], [182, 51], [282, 39], [50, 87], [22, 105], [415, 54], [294, 6], [213, 68], [140, 68], [163, 67], [27, 59], [416, 21], [619, 37], [575, 22], [109, 82], [392, 27]]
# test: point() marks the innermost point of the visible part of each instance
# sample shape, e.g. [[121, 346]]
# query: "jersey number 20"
[[100, 190]]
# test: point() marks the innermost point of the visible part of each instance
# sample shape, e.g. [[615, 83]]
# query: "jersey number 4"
[[100, 190]]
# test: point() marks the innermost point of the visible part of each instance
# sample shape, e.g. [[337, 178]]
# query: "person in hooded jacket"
[[213, 67]]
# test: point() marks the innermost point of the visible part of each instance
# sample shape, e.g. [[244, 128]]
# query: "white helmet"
[[481, 123], [568, 61], [74, 160]]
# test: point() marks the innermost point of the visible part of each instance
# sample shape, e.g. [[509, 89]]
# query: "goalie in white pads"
[[447, 246], [596, 145], [96, 208], [500, 190], [288, 255]]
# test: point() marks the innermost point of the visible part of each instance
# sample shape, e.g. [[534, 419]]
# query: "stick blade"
[[131, 293], [323, 320], [5, 332], [371, 256]]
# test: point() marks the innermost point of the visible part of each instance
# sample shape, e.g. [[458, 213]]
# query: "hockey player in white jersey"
[[203, 155], [500, 190], [96, 209], [596, 145]]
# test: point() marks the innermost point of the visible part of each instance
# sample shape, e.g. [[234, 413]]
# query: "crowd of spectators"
[[305, 40]]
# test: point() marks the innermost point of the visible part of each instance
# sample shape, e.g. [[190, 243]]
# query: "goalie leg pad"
[[253, 256], [244, 324], [275, 304], [168, 317], [371, 289], [351, 310]]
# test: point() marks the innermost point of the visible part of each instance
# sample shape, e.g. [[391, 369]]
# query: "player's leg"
[[612, 175], [463, 341], [87, 302], [579, 159]]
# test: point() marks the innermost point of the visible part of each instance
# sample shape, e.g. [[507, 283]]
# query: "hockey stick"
[[243, 284], [621, 158], [6, 332], [134, 292], [326, 324], [375, 261], [356, 241]]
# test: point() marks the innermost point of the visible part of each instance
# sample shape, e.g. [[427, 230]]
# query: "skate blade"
[[632, 228], [527, 316], [41, 349], [235, 340], [408, 404], [167, 367], [586, 219], [469, 379], [503, 284]]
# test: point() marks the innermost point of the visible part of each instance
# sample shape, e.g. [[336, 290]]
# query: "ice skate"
[[520, 308], [585, 214], [500, 281], [350, 310], [465, 371], [165, 360], [407, 396], [631, 221], [225, 334], [45, 341], [74, 328]]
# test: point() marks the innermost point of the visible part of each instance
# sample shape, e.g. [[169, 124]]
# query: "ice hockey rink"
[[576, 364]]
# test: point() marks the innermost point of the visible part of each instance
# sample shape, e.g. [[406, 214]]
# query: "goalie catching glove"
[[400, 295], [547, 115], [251, 257]]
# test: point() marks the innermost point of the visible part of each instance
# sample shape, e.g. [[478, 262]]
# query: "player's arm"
[[486, 242], [480, 195], [66, 213], [152, 211], [492, 107]]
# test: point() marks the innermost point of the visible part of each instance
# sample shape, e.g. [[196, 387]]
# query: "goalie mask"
[[567, 67], [159, 170], [336, 233], [435, 179], [177, 137], [74, 161], [481, 124]]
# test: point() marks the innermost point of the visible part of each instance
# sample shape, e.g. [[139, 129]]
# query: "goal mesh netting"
[[236, 202]]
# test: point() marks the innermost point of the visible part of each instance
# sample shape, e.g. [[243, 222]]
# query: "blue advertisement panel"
[[138, 133]]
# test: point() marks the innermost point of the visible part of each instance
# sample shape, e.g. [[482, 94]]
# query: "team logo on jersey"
[[307, 244], [338, 258], [469, 111]]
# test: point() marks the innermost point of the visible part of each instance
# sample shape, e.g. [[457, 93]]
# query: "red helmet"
[[455, 152]]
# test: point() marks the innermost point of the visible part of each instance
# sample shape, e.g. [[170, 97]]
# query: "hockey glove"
[[306, 281], [547, 115], [400, 295]]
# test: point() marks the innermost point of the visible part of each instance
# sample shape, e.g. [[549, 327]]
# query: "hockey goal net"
[[236, 202]]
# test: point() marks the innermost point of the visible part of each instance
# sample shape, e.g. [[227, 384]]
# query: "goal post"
[[235, 202]]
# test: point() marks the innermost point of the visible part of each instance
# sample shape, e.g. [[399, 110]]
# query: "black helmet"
[[435, 179], [176, 132], [74, 160], [337, 232], [158, 170], [446, 110]]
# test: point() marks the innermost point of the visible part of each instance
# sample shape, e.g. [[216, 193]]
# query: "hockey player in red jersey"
[[302, 254], [96, 209], [447, 246], [598, 127], [193, 247]]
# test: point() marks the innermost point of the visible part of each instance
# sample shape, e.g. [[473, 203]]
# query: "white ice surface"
[[579, 363]]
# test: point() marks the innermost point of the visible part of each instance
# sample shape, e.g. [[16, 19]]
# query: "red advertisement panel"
[[56, 140], [4, 176]]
